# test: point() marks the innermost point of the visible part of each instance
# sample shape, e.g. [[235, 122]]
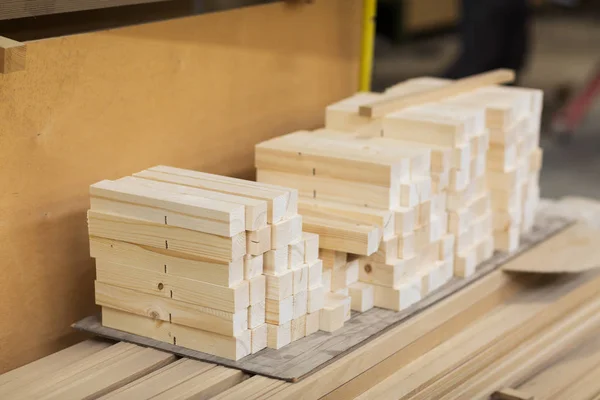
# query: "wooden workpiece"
[[12, 55]]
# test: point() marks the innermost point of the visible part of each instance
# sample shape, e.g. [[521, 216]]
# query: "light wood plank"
[[285, 232], [279, 335], [258, 242], [118, 227], [253, 266], [13, 55], [344, 237], [205, 385]]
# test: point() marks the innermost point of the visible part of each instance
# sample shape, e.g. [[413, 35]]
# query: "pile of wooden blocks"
[[370, 200], [211, 263]]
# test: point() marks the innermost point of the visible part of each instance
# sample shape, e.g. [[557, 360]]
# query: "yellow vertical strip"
[[367, 44]]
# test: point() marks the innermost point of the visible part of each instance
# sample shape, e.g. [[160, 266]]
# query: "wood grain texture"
[[310, 358], [184, 90], [12, 55]]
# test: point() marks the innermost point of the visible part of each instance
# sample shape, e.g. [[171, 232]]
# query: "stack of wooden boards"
[[211, 263], [371, 201]]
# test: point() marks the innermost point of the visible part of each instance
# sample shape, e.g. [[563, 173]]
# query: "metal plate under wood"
[[305, 356]]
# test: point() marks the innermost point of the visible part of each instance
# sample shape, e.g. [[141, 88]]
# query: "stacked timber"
[[211, 263], [370, 200]]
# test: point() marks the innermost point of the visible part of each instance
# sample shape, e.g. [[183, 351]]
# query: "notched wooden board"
[[308, 355]]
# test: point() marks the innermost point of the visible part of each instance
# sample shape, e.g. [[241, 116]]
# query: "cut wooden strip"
[[205, 385], [278, 200], [332, 258], [280, 285], [173, 205], [313, 321], [406, 293], [298, 328], [390, 250], [405, 220], [394, 103], [169, 262], [258, 242], [315, 274], [300, 279], [256, 314], [170, 310], [279, 312], [118, 227], [258, 337], [316, 299], [231, 347], [362, 296], [311, 246], [384, 219], [296, 253], [344, 237], [386, 274], [186, 290], [336, 190], [253, 266], [257, 289], [279, 335], [300, 304], [255, 388], [335, 312], [29, 373], [160, 380], [556, 255], [285, 232], [276, 261]]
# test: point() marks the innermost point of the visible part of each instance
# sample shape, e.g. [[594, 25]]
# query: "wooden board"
[[307, 355], [182, 90]]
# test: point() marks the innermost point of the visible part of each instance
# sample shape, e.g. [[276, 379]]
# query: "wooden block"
[[170, 310], [343, 276], [311, 247], [481, 205], [276, 261], [281, 201], [503, 200], [343, 115], [478, 167], [312, 322], [424, 188], [510, 394], [405, 220], [440, 181], [258, 337], [349, 213], [230, 347], [253, 266], [459, 179], [167, 237], [406, 294], [438, 203], [285, 232], [435, 229], [459, 220], [279, 286], [259, 241], [446, 246], [406, 246], [386, 274], [344, 237], [485, 249], [315, 274], [256, 315], [279, 311], [300, 279], [362, 296], [279, 335], [257, 289], [502, 158], [411, 126], [437, 276], [409, 194], [482, 227], [422, 236], [343, 292], [336, 190], [448, 267], [169, 262], [334, 313], [465, 240], [480, 144], [327, 275], [12, 55], [296, 254], [316, 299], [388, 250], [465, 263], [507, 241], [507, 181], [424, 213], [300, 304], [165, 208], [536, 159], [196, 292], [298, 328], [255, 210], [507, 219], [443, 216], [332, 258], [423, 275]]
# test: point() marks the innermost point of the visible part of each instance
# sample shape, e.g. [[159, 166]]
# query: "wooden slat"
[[344, 236], [30, 372], [394, 103], [204, 386], [12, 54], [254, 388]]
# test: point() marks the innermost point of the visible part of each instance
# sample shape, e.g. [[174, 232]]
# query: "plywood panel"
[[197, 93]]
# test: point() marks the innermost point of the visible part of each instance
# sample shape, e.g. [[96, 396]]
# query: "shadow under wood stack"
[[202, 261]]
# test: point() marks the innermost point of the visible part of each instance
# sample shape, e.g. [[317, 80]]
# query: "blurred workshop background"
[[561, 56]]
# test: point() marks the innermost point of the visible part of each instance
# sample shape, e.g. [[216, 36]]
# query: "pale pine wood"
[[315, 274], [406, 293], [205, 385], [316, 299], [256, 314], [332, 316], [386, 274], [312, 322], [300, 279], [510, 394], [388, 251], [133, 230], [276, 261], [258, 242], [296, 253], [12, 55], [300, 304], [160, 380], [298, 328], [171, 310], [311, 246], [253, 266], [258, 337], [332, 258], [279, 311], [201, 293], [254, 388], [279, 286], [279, 335], [362, 296], [169, 262], [230, 347], [255, 209], [285, 232], [344, 237], [163, 205], [257, 288]]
